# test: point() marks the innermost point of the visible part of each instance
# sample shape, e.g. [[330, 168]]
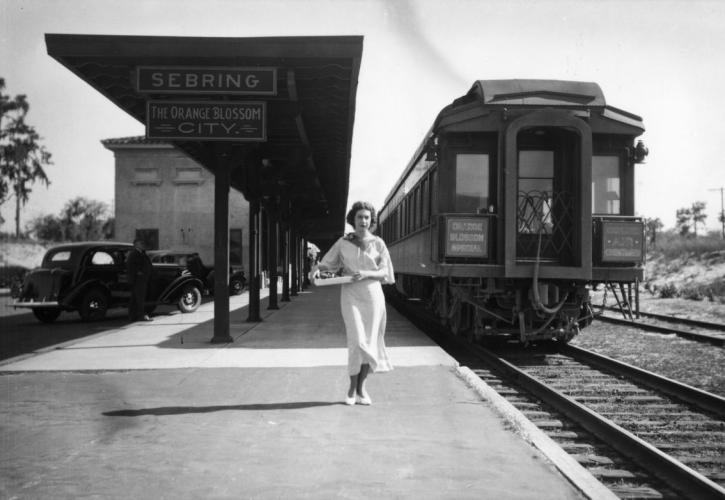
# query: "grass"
[[672, 246], [676, 252]]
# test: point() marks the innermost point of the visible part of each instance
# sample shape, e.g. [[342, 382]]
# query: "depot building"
[[166, 199]]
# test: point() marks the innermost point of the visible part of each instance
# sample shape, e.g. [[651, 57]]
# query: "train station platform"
[[154, 410]]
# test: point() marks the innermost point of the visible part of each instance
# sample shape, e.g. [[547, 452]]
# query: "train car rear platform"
[[154, 410]]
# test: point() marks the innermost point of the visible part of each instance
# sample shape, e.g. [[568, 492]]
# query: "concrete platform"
[[154, 410]]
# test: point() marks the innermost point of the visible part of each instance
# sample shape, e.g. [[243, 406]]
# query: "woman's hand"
[[361, 275], [314, 272]]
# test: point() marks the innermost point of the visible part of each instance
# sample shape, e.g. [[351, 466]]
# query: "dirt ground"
[[691, 309]]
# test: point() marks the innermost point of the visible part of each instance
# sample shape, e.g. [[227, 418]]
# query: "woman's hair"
[[362, 205]]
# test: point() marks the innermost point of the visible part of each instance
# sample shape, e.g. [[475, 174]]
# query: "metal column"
[[254, 281], [272, 259], [295, 253], [221, 252], [285, 261]]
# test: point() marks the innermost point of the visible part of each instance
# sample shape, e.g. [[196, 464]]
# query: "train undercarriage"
[[515, 309]]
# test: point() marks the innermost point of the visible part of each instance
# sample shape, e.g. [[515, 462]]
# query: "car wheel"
[[46, 315], [94, 305], [236, 287], [190, 299]]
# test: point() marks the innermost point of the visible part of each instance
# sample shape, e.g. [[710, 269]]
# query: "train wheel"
[[454, 316], [438, 301]]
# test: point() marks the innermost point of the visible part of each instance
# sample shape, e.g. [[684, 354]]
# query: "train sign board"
[[206, 80], [467, 237], [206, 120], [622, 241]]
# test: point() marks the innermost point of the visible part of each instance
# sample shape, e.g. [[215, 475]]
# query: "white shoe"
[[363, 400], [349, 400]]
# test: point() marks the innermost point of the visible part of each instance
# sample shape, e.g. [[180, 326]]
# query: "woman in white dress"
[[365, 257]]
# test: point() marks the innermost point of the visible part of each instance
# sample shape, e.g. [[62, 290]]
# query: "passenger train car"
[[518, 201]]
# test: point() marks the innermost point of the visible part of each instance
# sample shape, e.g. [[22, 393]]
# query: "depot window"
[[189, 176], [146, 177], [472, 183], [606, 190]]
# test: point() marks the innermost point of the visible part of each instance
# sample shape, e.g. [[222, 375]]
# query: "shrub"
[[11, 276], [668, 291], [717, 288], [693, 293]]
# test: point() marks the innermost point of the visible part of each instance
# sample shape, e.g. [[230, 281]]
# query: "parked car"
[[193, 262], [91, 277]]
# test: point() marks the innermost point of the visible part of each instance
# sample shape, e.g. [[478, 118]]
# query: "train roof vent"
[[538, 93]]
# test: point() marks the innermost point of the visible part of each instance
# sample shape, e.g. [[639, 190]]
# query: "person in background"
[[365, 258], [138, 266]]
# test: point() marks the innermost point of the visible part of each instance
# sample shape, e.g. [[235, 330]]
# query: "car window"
[[62, 256], [102, 258]]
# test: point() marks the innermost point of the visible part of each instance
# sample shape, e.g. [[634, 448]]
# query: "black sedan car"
[[91, 277], [192, 261]]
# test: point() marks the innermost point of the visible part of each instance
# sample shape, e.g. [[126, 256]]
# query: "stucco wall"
[[158, 187]]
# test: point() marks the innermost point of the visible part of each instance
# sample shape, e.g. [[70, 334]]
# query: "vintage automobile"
[[193, 262], [91, 277]]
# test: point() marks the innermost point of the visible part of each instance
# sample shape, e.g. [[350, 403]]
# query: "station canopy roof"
[[304, 161]]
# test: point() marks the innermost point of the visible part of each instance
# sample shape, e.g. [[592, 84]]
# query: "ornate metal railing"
[[551, 215]]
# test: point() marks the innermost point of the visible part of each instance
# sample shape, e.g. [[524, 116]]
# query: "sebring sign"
[[221, 120], [206, 80]]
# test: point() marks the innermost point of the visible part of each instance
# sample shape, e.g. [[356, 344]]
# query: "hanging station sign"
[[199, 120], [206, 80], [206, 120]]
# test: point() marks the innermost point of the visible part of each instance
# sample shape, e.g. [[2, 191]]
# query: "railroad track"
[[701, 331], [642, 435]]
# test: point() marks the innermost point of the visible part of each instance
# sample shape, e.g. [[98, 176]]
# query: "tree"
[[82, 219], [22, 157], [698, 215], [47, 227], [684, 219], [652, 227]]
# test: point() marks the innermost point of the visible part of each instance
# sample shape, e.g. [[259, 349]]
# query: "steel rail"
[[673, 319], [686, 393], [672, 471], [700, 337]]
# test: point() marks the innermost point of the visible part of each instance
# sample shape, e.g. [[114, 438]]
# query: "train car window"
[[425, 201], [408, 206], [605, 185], [399, 222], [536, 186], [434, 192], [401, 219], [417, 209], [472, 183]]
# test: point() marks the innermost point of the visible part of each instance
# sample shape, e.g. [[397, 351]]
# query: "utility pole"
[[722, 209]]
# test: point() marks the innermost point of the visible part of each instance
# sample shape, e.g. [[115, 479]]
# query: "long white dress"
[[362, 302]]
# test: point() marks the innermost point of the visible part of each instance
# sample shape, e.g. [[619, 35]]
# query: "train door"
[[547, 195]]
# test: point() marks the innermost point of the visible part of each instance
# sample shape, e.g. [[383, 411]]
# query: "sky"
[[662, 60]]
